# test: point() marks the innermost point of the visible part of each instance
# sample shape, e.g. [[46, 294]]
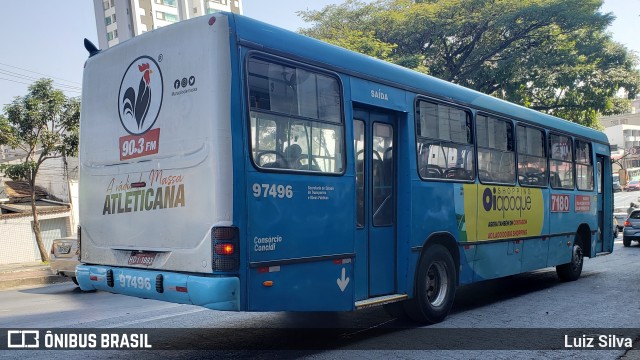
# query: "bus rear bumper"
[[217, 293]]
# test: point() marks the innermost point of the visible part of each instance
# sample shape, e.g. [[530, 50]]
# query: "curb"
[[29, 278]]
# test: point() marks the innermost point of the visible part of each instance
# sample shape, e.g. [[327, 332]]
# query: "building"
[[623, 132], [16, 221], [119, 20], [54, 174]]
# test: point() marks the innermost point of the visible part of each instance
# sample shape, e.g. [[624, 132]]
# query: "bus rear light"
[[224, 249], [226, 255]]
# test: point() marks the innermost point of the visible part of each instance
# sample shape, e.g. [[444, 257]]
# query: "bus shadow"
[[477, 295], [308, 333]]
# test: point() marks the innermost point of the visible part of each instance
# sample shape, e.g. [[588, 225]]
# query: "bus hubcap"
[[437, 284]]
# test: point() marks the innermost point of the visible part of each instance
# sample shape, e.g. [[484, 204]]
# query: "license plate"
[[64, 249], [137, 258]]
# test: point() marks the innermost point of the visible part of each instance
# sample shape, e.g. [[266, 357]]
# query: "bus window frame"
[[551, 132], [279, 60], [575, 164], [547, 155], [417, 136], [515, 147]]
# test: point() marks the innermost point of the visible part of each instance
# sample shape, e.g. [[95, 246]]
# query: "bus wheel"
[[571, 271], [435, 286]]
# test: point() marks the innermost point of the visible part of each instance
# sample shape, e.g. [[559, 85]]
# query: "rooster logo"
[[139, 109], [138, 106]]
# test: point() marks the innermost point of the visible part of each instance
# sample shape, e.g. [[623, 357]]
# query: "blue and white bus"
[[231, 164]]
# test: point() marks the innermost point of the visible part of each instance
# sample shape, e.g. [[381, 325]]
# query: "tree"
[[550, 55], [44, 124]]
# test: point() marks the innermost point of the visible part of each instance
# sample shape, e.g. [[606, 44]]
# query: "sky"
[[49, 42]]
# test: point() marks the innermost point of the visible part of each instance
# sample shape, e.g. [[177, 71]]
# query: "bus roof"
[[259, 35]]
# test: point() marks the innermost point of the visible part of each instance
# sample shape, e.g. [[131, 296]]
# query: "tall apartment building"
[[119, 20]]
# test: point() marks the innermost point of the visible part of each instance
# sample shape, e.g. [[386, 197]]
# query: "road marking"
[[160, 317]]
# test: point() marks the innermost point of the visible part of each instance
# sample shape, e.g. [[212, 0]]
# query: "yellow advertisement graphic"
[[503, 212]]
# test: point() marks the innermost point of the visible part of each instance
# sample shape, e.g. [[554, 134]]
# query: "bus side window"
[[496, 157], [532, 159], [296, 118], [561, 161], [445, 142]]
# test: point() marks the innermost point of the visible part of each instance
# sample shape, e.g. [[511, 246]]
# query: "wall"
[[17, 241]]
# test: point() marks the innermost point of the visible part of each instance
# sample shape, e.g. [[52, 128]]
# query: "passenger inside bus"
[[293, 153]]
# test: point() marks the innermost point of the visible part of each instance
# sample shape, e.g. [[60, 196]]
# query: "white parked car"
[[64, 257]]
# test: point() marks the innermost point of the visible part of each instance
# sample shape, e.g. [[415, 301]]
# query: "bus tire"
[[435, 286], [571, 271]]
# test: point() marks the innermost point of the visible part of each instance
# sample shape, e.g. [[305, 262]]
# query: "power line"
[[19, 82], [26, 77], [25, 83], [35, 72]]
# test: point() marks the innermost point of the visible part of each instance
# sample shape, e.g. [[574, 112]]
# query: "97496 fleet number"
[[136, 282], [273, 190]]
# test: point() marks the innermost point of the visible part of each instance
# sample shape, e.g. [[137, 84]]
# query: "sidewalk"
[[32, 273]]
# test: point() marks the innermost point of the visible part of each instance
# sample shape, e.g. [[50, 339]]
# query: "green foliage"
[[19, 172], [550, 55], [349, 25], [44, 124]]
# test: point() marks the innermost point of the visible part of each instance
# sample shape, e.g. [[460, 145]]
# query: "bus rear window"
[[296, 121]]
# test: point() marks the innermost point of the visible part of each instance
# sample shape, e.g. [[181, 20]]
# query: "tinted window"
[[532, 159], [496, 159], [561, 162], [295, 118], [584, 166], [445, 142]]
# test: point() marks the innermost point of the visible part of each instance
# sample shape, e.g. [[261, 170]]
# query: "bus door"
[[602, 231], [374, 138]]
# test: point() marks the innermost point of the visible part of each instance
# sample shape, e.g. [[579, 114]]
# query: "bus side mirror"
[[622, 176]]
